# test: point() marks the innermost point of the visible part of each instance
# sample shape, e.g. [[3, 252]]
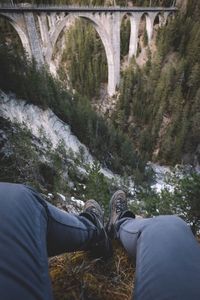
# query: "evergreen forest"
[[157, 112], [151, 123], [159, 102]]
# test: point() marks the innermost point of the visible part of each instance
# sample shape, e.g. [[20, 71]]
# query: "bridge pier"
[[43, 31], [150, 18], [133, 43], [34, 40], [111, 35]]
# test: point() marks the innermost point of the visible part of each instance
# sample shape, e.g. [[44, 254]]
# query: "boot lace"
[[121, 205], [95, 211]]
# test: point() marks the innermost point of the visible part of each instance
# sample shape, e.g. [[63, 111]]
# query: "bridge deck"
[[64, 8]]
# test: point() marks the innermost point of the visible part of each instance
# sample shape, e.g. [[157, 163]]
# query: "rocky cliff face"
[[37, 148], [42, 123]]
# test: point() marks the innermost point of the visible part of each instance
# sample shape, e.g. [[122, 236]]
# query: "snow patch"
[[62, 197], [161, 174], [78, 202]]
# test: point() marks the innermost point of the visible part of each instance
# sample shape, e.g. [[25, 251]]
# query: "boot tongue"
[[90, 216], [127, 214]]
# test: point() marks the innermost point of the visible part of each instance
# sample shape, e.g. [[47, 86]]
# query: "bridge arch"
[[143, 34], [104, 38], [125, 34], [158, 19], [23, 37], [157, 23], [133, 42], [151, 18], [168, 16], [148, 25]]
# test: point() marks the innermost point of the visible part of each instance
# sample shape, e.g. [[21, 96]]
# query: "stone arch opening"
[[20, 38], [168, 18], [55, 52], [104, 39], [158, 20], [143, 37], [125, 33]]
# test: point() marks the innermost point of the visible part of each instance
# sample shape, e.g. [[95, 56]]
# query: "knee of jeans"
[[173, 220], [20, 189], [25, 196], [128, 236], [22, 192]]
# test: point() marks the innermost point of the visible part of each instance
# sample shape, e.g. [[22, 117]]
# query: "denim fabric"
[[167, 254], [23, 254], [30, 229], [167, 258]]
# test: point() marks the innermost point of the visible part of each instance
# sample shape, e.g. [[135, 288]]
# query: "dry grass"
[[78, 276]]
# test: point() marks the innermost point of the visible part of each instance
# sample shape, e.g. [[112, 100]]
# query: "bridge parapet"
[[66, 8]]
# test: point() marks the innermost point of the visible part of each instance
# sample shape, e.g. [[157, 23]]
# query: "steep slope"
[[159, 103], [37, 148]]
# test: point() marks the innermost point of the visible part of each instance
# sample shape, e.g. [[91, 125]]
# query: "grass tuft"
[[78, 276]]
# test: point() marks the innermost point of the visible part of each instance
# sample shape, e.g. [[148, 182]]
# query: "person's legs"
[[167, 258], [30, 229], [67, 232], [167, 254], [23, 253]]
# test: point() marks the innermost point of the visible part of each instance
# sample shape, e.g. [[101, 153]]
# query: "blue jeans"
[[30, 231], [167, 255]]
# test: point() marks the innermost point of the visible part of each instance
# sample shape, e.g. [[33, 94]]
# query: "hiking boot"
[[100, 246], [118, 209], [94, 211]]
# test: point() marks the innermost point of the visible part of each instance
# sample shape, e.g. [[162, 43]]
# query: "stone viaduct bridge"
[[40, 26]]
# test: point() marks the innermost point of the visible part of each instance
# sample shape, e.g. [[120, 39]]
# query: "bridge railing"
[[43, 7]]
